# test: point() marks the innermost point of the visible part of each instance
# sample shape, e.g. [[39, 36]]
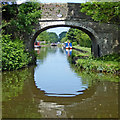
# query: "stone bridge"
[[104, 37]]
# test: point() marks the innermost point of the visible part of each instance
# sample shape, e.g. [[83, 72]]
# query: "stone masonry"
[[104, 37]]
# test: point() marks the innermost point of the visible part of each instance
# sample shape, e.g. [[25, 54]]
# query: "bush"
[[98, 65], [74, 43], [14, 55], [111, 57]]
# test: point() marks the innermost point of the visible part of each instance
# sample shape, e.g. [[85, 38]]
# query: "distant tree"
[[64, 39], [44, 36], [48, 37], [77, 36], [53, 38], [62, 35], [71, 35], [82, 38]]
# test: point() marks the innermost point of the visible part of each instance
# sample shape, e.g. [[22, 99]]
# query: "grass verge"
[[108, 63]]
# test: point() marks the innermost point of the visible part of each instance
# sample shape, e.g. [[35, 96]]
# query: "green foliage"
[[21, 18], [48, 37], [53, 38], [108, 12], [9, 11], [71, 36], [90, 77], [64, 39], [108, 63], [13, 54], [43, 36], [98, 65], [103, 0], [62, 35], [111, 57], [18, 21], [79, 54], [82, 38], [74, 43], [78, 36]]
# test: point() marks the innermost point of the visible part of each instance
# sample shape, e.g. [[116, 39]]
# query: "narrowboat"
[[37, 44], [68, 45]]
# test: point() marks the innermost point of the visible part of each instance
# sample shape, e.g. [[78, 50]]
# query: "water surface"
[[56, 89]]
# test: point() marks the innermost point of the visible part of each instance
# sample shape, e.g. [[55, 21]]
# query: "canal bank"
[[83, 59]]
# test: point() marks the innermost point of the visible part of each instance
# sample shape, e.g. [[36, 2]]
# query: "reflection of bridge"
[[97, 101], [93, 101], [104, 36]]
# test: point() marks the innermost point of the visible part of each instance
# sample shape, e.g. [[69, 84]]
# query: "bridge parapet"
[[62, 11]]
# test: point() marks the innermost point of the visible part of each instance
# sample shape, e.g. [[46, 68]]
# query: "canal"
[[54, 88]]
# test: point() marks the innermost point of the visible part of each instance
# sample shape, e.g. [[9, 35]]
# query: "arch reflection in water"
[[56, 78], [28, 101]]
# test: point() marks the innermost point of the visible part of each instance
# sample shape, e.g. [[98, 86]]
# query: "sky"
[[58, 30], [55, 1], [62, 1]]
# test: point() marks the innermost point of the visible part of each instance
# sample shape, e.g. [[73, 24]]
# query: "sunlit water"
[[56, 77], [56, 89]]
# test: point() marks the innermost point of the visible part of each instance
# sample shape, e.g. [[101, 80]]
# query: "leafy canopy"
[[77, 36], [20, 19], [108, 12]]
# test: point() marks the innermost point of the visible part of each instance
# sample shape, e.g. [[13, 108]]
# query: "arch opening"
[[95, 49]]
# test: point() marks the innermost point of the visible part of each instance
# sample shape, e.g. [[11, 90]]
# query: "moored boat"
[[68, 45], [37, 44]]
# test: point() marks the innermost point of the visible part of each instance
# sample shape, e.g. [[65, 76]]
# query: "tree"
[[77, 36], [44, 36], [48, 37], [22, 18], [71, 35], [62, 35], [64, 39], [53, 38], [82, 38], [108, 12]]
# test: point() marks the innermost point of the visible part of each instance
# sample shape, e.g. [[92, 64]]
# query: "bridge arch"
[[89, 31]]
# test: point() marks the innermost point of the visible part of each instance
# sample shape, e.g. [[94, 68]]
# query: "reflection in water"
[[56, 78], [69, 52], [27, 95], [46, 108]]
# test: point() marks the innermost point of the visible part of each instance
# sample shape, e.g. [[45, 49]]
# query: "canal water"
[[54, 88]]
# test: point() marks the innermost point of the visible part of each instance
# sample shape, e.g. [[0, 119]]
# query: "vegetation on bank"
[[80, 54], [108, 63], [90, 77], [14, 55], [18, 21]]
